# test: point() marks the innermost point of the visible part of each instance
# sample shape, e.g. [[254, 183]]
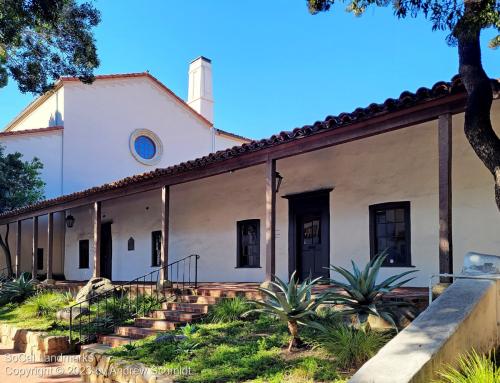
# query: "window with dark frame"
[[156, 248], [83, 253], [248, 243], [131, 244], [390, 231], [39, 259]]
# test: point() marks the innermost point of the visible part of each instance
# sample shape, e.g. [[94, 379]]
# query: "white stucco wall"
[[48, 113], [223, 142], [138, 220], [476, 220], [48, 148], [203, 221], [99, 120], [397, 166]]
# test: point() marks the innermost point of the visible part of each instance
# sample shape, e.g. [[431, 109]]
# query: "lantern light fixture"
[[279, 180], [70, 221]]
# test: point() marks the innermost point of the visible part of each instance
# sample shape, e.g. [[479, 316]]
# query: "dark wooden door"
[[310, 234], [310, 245], [106, 251]]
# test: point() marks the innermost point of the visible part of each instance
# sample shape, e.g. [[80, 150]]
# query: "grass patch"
[[228, 310], [37, 312], [472, 368], [351, 347], [44, 305], [237, 351]]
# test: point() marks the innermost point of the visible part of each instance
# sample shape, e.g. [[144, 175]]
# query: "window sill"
[[248, 267]]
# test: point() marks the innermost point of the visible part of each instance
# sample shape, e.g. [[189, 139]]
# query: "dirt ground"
[[18, 367]]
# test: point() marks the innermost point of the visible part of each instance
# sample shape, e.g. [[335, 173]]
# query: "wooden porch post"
[[50, 244], [17, 265], [34, 249], [97, 239], [270, 219], [63, 239], [445, 194], [165, 216]]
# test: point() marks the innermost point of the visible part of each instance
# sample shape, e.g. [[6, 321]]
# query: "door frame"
[[293, 201]]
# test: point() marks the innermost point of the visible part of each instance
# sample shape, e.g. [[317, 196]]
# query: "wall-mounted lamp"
[[279, 180], [70, 221]]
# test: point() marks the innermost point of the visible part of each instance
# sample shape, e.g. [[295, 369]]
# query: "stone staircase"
[[187, 308]]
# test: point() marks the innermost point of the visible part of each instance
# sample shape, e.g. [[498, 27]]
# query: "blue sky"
[[275, 66]]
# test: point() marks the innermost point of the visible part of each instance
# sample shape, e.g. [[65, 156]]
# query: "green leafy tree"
[[42, 40], [20, 185], [464, 20]]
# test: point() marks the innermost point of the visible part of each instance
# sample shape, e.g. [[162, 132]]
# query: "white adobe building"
[[397, 175], [86, 135]]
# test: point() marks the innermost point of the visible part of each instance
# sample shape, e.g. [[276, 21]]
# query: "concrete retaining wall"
[[465, 316], [34, 343]]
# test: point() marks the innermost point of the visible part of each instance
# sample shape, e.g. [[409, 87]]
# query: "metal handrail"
[[181, 274]]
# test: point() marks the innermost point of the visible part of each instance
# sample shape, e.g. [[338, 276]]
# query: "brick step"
[[159, 324], [176, 315], [115, 340], [187, 307], [198, 299], [224, 293], [135, 332]]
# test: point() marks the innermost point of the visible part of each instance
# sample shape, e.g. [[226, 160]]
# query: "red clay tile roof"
[[405, 100], [30, 131]]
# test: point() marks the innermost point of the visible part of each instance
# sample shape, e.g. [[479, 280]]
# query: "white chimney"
[[200, 96]]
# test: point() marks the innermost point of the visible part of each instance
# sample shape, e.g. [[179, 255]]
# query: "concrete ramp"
[[465, 316]]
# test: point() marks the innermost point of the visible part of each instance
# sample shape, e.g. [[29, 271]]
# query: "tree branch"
[[478, 128], [4, 244]]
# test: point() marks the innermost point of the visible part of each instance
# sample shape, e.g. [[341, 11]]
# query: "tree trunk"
[[4, 244], [295, 342], [478, 128]]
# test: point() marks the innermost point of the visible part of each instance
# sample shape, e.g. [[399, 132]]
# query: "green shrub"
[[351, 347], [472, 368], [45, 304], [18, 290], [228, 310], [188, 329]]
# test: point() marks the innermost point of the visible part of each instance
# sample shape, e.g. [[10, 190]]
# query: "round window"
[[145, 146]]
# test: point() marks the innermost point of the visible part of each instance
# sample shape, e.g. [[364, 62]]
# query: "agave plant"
[[18, 289], [362, 295], [293, 303]]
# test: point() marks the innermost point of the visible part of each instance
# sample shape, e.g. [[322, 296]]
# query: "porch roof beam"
[[373, 126]]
